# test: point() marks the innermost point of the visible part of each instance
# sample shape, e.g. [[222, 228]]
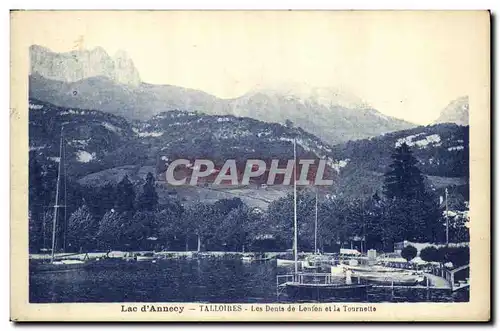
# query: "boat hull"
[[145, 258], [379, 276], [51, 267], [110, 262], [377, 269], [390, 279], [256, 259]]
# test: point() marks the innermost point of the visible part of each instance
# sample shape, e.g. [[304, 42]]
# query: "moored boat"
[[58, 265], [145, 257], [372, 268], [325, 291], [263, 257], [316, 262], [66, 263], [390, 278], [379, 275], [314, 285]]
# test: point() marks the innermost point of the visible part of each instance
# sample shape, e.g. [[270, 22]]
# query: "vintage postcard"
[[250, 165]]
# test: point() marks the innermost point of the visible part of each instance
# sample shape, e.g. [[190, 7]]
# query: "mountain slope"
[[442, 150], [112, 141], [330, 122], [331, 115], [101, 147], [456, 112], [132, 102]]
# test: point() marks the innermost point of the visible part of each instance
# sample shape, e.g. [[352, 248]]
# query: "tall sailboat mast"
[[56, 204], [295, 204], [316, 225], [447, 219]]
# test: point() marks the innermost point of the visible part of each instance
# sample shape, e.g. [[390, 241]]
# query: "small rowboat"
[[61, 265], [257, 258], [390, 278], [145, 257], [375, 268]]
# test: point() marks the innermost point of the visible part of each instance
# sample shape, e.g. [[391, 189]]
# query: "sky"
[[409, 65]]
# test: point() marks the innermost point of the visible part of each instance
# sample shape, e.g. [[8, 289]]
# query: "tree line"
[[125, 217]]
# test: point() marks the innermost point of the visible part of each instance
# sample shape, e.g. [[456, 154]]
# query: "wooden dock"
[[450, 277], [437, 282]]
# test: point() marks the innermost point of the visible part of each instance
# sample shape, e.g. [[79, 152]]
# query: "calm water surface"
[[220, 281]]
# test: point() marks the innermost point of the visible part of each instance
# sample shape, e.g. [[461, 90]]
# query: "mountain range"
[[115, 124], [93, 80], [102, 147]]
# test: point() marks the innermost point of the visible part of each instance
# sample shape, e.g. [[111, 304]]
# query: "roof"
[[348, 251]]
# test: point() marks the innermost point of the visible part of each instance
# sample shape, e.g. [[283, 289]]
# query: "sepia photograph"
[[245, 164]]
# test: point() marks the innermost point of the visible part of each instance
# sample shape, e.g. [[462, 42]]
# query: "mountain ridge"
[[104, 147], [334, 115]]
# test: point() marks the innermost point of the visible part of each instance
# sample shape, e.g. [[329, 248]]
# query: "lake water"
[[198, 280]]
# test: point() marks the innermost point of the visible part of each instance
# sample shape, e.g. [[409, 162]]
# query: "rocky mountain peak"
[[81, 64], [456, 112]]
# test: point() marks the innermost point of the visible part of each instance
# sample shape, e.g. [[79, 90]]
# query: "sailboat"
[[316, 261], [314, 286], [62, 263]]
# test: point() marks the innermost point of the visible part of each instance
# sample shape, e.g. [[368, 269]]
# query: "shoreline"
[[94, 255]]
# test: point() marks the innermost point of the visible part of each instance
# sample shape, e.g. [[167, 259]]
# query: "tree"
[[106, 196], [225, 206], [395, 223], [373, 222], [125, 196], [429, 254], [412, 213], [148, 198], [202, 219], [332, 220], [109, 231], [170, 224], [35, 203], [458, 256], [81, 228], [137, 228], [405, 179], [409, 253], [458, 227], [281, 220], [234, 230], [170, 227]]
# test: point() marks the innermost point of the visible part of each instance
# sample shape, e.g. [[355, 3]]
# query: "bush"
[[429, 254], [409, 253], [459, 256]]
